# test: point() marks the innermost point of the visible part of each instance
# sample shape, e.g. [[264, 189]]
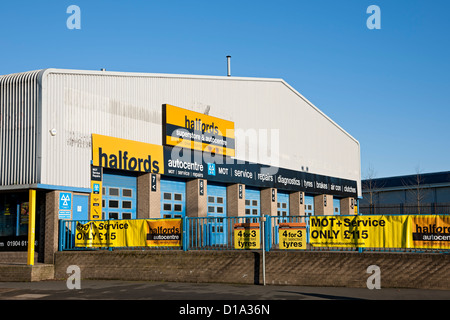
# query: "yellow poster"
[[375, 231], [164, 232], [430, 231], [292, 236], [129, 233], [247, 236]]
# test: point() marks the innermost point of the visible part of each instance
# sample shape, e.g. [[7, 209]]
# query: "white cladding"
[[77, 103]]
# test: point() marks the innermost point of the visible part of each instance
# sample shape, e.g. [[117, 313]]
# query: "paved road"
[[142, 290], [199, 301]]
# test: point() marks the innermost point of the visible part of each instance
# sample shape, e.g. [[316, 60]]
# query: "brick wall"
[[402, 270]]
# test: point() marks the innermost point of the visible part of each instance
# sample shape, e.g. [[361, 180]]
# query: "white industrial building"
[[49, 117]]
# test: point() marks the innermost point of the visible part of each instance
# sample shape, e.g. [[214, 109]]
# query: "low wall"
[[25, 273], [347, 269]]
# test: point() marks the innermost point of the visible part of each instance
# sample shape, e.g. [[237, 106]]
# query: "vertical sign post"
[[263, 220], [96, 195], [31, 226]]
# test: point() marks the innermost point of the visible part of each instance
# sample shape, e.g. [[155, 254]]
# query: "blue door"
[[282, 206], [252, 203], [217, 209], [336, 206], [173, 198], [282, 212], [119, 195], [80, 207], [309, 205]]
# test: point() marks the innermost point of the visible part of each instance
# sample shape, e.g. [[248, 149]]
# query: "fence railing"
[[231, 233]]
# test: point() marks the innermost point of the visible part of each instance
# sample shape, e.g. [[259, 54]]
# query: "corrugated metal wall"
[[19, 101], [127, 105]]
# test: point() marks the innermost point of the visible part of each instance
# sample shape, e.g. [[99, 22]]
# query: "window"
[[211, 199], [126, 215], [167, 207], [178, 197], [114, 192], [211, 209], [167, 196], [127, 193], [113, 203], [219, 200], [126, 204], [177, 207], [255, 212], [247, 202], [114, 215], [219, 209], [254, 202]]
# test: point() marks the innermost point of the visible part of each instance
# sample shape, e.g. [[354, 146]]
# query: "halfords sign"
[[197, 131], [116, 153]]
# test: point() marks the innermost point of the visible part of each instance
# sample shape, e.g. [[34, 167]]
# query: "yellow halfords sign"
[[430, 231], [197, 131], [378, 231], [129, 233], [116, 153]]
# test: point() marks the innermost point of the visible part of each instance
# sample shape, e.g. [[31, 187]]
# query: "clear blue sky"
[[388, 88]]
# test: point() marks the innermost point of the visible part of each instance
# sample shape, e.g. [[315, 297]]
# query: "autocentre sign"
[[180, 162]]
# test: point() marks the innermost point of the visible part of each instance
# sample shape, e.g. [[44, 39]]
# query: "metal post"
[[185, 233], [228, 66], [31, 225], [263, 237]]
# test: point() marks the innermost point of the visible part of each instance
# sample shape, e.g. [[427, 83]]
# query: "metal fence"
[[221, 233]]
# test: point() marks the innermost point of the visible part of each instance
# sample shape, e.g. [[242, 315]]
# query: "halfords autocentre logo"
[[122, 154], [197, 131]]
